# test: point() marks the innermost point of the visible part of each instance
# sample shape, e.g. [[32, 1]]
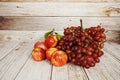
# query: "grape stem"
[[52, 30], [99, 48], [81, 24]]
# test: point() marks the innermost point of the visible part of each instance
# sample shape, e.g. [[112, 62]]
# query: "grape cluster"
[[83, 46]]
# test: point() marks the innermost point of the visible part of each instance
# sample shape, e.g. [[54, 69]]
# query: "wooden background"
[[37, 15]]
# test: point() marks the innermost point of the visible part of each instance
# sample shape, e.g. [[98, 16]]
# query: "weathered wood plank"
[[60, 0], [13, 63], [59, 23], [18, 65], [115, 52], [35, 71], [107, 69], [60, 73], [26, 36], [76, 73], [36, 35], [113, 36], [59, 9], [6, 47], [68, 72], [115, 45]]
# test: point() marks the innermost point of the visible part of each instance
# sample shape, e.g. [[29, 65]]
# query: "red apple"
[[38, 54], [40, 44], [49, 53], [51, 41], [59, 58]]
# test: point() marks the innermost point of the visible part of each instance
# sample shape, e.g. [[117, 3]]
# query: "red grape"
[[83, 46]]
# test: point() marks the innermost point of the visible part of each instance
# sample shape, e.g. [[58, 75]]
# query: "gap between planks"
[[21, 68], [11, 64], [7, 47], [107, 69], [69, 72], [117, 46], [37, 71], [114, 52], [101, 67]]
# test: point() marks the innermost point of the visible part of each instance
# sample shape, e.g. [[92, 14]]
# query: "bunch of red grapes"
[[83, 46]]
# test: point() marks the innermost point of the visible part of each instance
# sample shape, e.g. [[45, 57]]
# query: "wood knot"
[[17, 49], [1, 19], [111, 10], [18, 7], [7, 37]]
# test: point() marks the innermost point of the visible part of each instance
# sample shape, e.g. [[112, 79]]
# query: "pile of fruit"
[[79, 46], [47, 49]]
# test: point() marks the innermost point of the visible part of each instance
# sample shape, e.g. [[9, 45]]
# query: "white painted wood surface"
[[76, 73], [59, 9], [35, 71], [115, 52], [11, 64], [115, 45], [17, 63], [26, 36], [63, 71], [5, 48], [12, 35]]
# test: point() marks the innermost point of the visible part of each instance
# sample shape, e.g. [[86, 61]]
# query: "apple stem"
[[52, 30], [81, 24], [48, 33]]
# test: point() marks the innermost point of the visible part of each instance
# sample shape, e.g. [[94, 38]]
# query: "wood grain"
[[59, 9], [33, 36], [25, 36], [35, 71], [60, 0], [115, 45], [59, 23], [114, 51], [63, 71], [13, 63], [19, 65], [6, 47], [76, 73], [113, 36], [68, 72]]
